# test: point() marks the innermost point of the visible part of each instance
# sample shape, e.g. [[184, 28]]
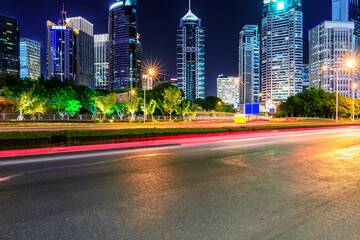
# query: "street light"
[[148, 77], [132, 92], [354, 86], [350, 64], [244, 92]]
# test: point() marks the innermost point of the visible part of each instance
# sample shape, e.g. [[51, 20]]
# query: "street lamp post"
[[244, 92], [350, 64], [354, 86], [151, 73]]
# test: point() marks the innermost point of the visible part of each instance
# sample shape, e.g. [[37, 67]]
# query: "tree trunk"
[[21, 116]]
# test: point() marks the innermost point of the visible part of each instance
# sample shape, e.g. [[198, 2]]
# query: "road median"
[[45, 139]]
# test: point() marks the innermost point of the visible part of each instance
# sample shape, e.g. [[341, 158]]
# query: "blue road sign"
[[252, 109]]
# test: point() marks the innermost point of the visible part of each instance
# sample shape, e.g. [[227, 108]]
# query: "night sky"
[[157, 23]]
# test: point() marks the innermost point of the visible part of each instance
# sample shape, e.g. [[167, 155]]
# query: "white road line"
[[293, 135], [40, 159], [241, 146]]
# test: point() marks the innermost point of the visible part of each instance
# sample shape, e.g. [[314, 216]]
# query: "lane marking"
[[241, 146], [7, 178], [29, 160], [292, 135]]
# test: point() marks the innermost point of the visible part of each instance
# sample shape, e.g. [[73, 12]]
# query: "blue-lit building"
[[281, 50], [9, 46], [191, 56], [30, 59], [124, 46], [306, 77], [347, 10], [61, 50], [249, 64]]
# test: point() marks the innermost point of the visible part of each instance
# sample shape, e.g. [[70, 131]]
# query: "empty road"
[[269, 185]]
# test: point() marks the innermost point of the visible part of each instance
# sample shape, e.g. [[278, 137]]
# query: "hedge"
[[40, 139]]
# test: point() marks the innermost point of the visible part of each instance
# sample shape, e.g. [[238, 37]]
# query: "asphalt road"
[[297, 185]]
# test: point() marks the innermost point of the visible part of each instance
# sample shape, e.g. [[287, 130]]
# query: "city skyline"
[[221, 37]]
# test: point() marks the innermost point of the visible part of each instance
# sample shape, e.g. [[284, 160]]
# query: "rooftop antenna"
[[63, 16]]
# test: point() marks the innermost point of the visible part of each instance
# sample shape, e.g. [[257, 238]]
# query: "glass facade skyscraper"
[[329, 43], [61, 50], [228, 89], [281, 50], [123, 46], [191, 57], [30, 59], [101, 47], [84, 50], [9, 46], [347, 10], [249, 64], [306, 77]]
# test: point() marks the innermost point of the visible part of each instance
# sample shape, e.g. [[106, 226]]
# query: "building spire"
[[62, 21], [189, 5]]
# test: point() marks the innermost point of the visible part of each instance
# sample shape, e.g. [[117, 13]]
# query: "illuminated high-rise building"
[[191, 56], [228, 89], [138, 62], [30, 59], [347, 10], [123, 46], [61, 50], [249, 64], [9, 46], [330, 43], [101, 61], [281, 50], [84, 50], [306, 77]]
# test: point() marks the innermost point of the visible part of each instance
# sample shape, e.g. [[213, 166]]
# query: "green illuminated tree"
[[36, 107], [150, 108], [24, 101], [64, 102], [172, 98], [183, 109], [120, 109], [105, 104], [132, 105]]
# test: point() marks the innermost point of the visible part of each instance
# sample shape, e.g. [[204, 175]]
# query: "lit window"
[[281, 5]]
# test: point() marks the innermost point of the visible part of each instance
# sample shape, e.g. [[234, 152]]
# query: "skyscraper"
[[329, 43], [101, 61], [347, 10], [306, 77], [191, 56], [138, 61], [123, 46], [228, 89], [84, 50], [281, 50], [30, 59], [61, 49], [249, 64], [9, 46]]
